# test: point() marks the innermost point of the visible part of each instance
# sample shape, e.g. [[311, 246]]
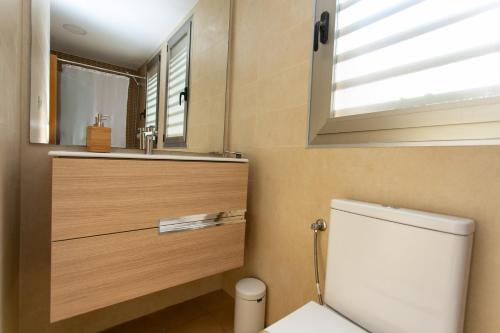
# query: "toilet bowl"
[[389, 270]]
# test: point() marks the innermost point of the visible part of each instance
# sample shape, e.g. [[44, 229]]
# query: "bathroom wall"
[[10, 69], [34, 261], [291, 186]]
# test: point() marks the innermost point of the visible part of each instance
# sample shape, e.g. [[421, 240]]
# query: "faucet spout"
[[147, 137]]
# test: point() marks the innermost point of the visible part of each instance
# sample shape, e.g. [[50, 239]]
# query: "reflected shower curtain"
[[84, 93]]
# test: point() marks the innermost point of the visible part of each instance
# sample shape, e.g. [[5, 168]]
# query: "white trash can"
[[250, 307]]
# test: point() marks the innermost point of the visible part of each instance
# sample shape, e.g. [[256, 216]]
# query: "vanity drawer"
[[92, 196], [94, 272]]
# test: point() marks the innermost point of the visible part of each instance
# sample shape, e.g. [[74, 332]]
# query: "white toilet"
[[389, 270]]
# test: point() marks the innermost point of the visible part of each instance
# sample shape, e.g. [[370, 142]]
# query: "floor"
[[210, 313]]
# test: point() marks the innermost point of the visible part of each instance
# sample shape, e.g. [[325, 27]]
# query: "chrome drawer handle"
[[200, 221]]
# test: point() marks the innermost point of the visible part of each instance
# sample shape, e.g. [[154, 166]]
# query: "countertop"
[[142, 156]]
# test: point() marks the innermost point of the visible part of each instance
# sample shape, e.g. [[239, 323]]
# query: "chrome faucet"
[[147, 138]]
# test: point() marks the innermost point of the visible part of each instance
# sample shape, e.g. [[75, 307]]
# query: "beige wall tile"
[[10, 72], [285, 89], [242, 132], [282, 128], [245, 39], [244, 100], [281, 49], [211, 23], [291, 186], [276, 15]]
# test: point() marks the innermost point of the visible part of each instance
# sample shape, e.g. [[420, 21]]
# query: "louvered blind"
[[151, 99], [397, 54], [177, 82]]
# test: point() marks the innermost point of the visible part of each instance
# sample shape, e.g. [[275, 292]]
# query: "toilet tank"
[[394, 270]]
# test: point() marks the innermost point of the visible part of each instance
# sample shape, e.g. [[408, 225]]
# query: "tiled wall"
[[291, 186], [10, 137]]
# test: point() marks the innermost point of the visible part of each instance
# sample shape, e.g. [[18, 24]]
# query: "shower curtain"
[[84, 93]]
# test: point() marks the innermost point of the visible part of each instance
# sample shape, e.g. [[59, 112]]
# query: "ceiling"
[[125, 33]]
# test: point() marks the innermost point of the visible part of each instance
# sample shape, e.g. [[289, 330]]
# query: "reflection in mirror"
[[177, 92], [152, 66]]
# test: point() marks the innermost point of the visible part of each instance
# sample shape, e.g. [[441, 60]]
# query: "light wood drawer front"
[[94, 272], [100, 196]]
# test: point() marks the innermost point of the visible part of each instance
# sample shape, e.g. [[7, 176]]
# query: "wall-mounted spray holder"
[[319, 225]]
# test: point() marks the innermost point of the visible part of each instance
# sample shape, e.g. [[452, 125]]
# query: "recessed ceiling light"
[[75, 29]]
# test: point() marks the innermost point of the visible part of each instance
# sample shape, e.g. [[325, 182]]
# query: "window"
[[406, 71], [178, 49], [152, 96]]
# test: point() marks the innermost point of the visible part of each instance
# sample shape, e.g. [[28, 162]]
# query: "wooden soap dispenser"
[[98, 136]]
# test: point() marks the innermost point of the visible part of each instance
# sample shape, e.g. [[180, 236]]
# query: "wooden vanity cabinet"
[[106, 244]]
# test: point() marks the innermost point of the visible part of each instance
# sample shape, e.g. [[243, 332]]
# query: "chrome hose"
[[319, 225], [316, 268]]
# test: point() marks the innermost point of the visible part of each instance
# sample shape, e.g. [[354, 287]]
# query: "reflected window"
[[178, 50], [152, 96]]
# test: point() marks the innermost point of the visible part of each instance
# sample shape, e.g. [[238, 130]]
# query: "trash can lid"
[[250, 289]]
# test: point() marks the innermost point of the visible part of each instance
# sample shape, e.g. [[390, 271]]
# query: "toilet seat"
[[314, 318]]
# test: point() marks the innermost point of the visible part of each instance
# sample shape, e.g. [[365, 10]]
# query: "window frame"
[[180, 141], [471, 122]]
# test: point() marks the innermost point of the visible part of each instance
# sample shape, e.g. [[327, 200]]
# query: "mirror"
[[145, 65]]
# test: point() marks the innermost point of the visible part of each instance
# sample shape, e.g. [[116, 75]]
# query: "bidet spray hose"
[[316, 268], [319, 225]]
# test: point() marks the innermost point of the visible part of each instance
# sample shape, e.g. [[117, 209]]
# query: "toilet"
[[389, 270]]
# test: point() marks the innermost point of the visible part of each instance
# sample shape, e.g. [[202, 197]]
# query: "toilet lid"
[[314, 318]]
